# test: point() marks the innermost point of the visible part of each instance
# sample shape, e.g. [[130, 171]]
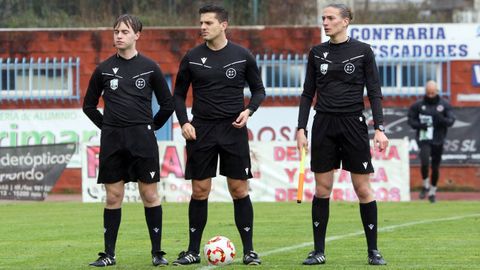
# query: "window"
[[39, 79], [282, 76], [406, 77]]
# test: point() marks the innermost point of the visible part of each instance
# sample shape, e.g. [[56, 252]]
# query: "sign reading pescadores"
[[30, 172]]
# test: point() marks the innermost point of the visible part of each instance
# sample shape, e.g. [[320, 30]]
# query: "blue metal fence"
[[284, 76], [39, 79]]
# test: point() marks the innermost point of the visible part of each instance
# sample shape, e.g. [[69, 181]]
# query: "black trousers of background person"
[[433, 151]]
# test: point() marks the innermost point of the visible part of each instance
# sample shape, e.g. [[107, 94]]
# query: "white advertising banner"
[[275, 168], [47, 126], [459, 41]]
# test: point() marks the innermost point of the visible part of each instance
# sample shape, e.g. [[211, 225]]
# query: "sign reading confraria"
[[30, 172]]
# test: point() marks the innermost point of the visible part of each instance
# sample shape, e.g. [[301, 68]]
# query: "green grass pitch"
[[414, 235]]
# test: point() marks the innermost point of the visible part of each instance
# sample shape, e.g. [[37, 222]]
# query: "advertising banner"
[[462, 144], [47, 126], [455, 41], [30, 172], [275, 168]]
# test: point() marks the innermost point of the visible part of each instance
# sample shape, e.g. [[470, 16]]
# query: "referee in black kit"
[[337, 72], [128, 147], [218, 70]]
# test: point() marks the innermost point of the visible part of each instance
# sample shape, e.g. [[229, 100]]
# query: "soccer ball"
[[219, 251]]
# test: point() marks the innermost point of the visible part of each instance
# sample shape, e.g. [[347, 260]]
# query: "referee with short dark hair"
[[218, 71], [337, 72], [128, 147]]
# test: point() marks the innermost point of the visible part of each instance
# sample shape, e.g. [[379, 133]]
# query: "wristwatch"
[[381, 128]]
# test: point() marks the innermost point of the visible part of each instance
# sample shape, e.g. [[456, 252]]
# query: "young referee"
[[218, 71], [128, 147], [337, 72]]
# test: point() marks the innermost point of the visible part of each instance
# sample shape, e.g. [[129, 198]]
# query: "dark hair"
[[129, 20], [220, 13], [345, 11]]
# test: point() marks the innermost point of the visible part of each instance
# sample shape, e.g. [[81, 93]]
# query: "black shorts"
[[128, 154], [214, 139], [340, 138]]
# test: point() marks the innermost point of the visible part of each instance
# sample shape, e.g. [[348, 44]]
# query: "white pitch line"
[[343, 236]]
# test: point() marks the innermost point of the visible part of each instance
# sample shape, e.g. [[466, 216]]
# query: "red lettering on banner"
[[347, 194], [380, 175], [278, 153], [290, 194], [280, 194], [92, 161], [383, 194], [250, 135], [268, 133], [284, 132], [289, 153], [390, 153], [171, 163], [265, 130], [291, 174], [308, 195], [344, 177], [393, 154]]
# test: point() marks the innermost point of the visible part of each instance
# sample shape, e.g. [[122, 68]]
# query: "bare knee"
[[114, 199], [238, 192], [323, 184], [200, 192], [323, 190], [364, 193], [150, 197]]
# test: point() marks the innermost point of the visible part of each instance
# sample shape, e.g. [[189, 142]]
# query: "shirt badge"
[[204, 59], [140, 83], [440, 108], [231, 73], [323, 68], [349, 68], [114, 84]]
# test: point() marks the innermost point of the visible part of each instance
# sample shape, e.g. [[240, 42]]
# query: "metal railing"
[[39, 80], [284, 75]]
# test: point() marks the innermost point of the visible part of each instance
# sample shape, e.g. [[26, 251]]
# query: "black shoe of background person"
[[186, 258], [251, 258], [375, 258], [103, 260], [423, 193], [432, 198], [315, 257], [158, 259]]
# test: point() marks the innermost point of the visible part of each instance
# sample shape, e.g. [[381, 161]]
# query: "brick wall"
[[168, 45]]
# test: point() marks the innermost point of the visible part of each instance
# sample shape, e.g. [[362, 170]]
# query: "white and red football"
[[219, 251]]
